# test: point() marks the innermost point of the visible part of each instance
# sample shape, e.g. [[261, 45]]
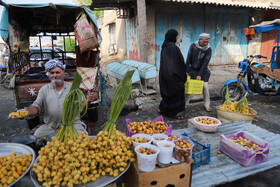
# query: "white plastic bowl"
[[149, 137], [159, 136], [205, 127]]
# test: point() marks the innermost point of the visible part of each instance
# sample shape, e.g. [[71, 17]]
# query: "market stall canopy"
[[262, 27], [32, 19]]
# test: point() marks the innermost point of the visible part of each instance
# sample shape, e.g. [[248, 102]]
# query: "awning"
[[264, 26], [242, 3], [36, 18], [261, 29]]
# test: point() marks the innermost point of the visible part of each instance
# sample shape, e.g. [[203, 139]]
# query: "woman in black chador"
[[172, 77]]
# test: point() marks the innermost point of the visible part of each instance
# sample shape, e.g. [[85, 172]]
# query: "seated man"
[[50, 100]]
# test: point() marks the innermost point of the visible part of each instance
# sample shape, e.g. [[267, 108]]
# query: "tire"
[[240, 91], [253, 82]]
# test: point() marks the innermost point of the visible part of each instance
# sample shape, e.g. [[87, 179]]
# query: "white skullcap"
[[204, 36]]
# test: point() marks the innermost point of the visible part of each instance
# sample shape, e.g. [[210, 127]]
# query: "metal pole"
[[278, 38]]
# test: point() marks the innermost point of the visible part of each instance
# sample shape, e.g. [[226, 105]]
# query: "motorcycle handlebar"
[[260, 56], [256, 56]]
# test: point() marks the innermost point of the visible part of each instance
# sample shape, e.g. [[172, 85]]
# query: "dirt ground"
[[268, 117]]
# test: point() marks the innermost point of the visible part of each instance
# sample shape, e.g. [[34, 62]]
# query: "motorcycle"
[[260, 84]]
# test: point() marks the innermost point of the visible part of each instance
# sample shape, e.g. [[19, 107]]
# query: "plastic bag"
[[242, 155], [84, 34], [13, 38]]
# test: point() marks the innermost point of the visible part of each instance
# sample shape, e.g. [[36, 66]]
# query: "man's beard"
[[57, 81]]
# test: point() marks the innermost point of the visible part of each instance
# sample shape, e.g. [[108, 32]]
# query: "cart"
[[36, 33]]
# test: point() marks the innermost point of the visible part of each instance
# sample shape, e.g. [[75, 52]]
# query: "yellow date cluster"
[[140, 140], [245, 143], [12, 166], [182, 150], [18, 114], [148, 127], [83, 160], [206, 121], [231, 106], [146, 151]]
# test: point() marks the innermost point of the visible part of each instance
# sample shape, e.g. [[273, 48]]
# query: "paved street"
[[267, 107]]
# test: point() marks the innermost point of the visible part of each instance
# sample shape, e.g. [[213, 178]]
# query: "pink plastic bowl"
[[205, 127]]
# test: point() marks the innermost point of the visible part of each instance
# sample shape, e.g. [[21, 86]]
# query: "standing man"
[[197, 62], [49, 101]]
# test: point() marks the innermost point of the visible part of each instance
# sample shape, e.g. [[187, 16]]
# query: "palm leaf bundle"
[[120, 97], [72, 108]]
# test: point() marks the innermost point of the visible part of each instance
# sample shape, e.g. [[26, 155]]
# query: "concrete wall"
[[151, 46], [109, 17], [254, 45]]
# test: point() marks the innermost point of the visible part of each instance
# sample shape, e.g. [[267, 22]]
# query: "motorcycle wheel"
[[253, 83], [240, 91]]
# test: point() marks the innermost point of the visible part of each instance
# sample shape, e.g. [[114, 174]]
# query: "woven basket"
[[232, 116]]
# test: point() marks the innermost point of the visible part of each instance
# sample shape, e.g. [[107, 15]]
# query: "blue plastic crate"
[[203, 156]]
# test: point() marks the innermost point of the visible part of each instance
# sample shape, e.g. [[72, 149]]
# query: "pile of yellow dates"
[[12, 166], [182, 151], [245, 143], [232, 107], [148, 127], [18, 114], [84, 159], [206, 121]]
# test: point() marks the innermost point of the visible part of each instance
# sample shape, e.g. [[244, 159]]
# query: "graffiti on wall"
[[133, 53], [132, 40], [151, 45]]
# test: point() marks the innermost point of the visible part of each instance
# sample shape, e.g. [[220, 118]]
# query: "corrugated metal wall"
[[227, 43], [224, 25]]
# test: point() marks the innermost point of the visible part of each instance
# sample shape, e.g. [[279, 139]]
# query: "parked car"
[[38, 56]]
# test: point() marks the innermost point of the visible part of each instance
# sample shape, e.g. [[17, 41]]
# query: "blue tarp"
[[266, 28], [4, 24]]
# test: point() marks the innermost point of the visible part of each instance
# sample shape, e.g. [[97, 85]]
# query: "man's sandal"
[[207, 108]]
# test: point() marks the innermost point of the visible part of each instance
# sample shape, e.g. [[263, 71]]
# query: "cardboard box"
[[175, 175]]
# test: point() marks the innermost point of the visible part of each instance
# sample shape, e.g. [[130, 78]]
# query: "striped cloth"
[[88, 78]]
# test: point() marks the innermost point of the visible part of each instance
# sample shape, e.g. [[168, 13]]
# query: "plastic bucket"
[[147, 163], [146, 136], [165, 153], [183, 154], [158, 138]]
